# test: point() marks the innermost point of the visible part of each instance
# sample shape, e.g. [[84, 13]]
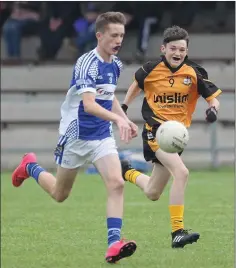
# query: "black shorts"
[[150, 145]]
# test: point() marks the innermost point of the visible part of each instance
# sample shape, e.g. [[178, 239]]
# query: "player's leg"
[[59, 186], [175, 165], [108, 165], [157, 182], [153, 185], [172, 165]]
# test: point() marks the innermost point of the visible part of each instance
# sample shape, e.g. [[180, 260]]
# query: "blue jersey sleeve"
[[86, 72], [119, 66]]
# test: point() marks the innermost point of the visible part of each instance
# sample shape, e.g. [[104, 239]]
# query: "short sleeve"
[[85, 77], [119, 66], [206, 88], [144, 71], [140, 75]]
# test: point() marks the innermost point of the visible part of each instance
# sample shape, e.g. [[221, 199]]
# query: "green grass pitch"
[[39, 233]]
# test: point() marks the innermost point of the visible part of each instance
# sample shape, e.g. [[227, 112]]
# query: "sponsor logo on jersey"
[[187, 81], [171, 98], [101, 91]]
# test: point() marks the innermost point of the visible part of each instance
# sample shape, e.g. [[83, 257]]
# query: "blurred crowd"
[[54, 22]]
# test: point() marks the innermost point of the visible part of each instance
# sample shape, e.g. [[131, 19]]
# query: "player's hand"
[[124, 108], [134, 129], [124, 129], [211, 114]]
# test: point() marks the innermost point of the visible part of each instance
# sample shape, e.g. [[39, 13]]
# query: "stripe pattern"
[[178, 238], [58, 152]]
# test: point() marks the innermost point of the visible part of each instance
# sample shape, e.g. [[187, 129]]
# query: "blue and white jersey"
[[90, 74]]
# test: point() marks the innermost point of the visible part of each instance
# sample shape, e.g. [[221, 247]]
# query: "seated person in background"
[[5, 12], [24, 19], [56, 25], [85, 27]]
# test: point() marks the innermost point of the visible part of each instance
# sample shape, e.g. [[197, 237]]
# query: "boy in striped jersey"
[[85, 131]]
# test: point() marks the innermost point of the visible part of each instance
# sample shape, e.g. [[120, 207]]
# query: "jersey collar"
[[173, 70], [100, 58]]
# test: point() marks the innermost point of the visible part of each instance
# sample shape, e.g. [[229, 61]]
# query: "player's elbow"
[[89, 102], [88, 107]]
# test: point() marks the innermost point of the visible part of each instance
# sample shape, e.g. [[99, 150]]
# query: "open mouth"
[[117, 48], [176, 59]]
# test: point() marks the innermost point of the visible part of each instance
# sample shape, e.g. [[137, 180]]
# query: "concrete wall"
[[45, 106], [202, 46]]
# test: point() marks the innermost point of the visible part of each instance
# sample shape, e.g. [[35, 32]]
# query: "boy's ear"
[[163, 49]]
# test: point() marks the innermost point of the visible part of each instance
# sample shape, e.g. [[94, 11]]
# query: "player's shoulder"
[[86, 62], [150, 65], [198, 68], [86, 58], [145, 70], [117, 61], [119, 65]]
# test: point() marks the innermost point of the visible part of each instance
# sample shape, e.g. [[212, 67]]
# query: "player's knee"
[[60, 197], [116, 184], [153, 196], [182, 173], [185, 173]]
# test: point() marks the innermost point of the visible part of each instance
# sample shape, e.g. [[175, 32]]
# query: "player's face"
[[175, 52], [111, 39]]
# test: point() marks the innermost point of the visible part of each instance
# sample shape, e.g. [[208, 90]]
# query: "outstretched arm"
[[116, 108], [92, 107], [209, 92], [131, 94], [211, 112]]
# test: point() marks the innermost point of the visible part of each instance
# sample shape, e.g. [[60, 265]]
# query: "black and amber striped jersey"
[[172, 94]]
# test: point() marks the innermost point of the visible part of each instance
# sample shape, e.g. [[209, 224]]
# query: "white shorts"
[[74, 153]]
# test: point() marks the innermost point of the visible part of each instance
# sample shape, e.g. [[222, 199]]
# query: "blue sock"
[[34, 170], [114, 228]]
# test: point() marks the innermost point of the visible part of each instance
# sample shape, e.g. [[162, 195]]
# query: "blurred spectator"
[[183, 12], [5, 11], [85, 27], [148, 15], [127, 8], [24, 19], [56, 25], [55, 22]]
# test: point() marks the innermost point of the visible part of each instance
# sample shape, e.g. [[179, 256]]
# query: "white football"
[[172, 137]]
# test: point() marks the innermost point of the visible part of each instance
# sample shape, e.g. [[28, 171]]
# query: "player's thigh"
[[109, 168], [65, 179], [158, 179], [173, 162], [106, 160], [68, 158]]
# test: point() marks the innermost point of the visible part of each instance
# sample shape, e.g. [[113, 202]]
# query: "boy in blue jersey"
[[86, 131]]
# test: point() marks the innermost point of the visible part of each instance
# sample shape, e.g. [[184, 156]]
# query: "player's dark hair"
[[109, 17], [175, 33]]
